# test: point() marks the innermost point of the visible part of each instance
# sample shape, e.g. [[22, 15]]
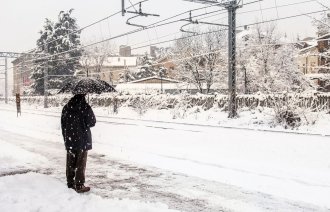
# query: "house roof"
[[165, 80], [318, 76], [118, 61], [324, 36], [308, 39], [143, 87], [309, 48]]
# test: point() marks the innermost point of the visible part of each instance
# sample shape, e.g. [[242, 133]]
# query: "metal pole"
[[123, 7], [161, 82], [6, 81], [232, 7], [46, 80]]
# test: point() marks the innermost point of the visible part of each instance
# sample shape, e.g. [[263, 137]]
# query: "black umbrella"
[[86, 85]]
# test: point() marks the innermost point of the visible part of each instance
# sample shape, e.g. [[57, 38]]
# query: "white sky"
[[21, 21]]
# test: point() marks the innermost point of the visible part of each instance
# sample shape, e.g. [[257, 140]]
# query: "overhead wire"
[[119, 12], [284, 18], [87, 26], [111, 38], [256, 23], [209, 52]]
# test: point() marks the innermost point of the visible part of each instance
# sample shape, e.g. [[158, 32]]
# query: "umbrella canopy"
[[86, 85]]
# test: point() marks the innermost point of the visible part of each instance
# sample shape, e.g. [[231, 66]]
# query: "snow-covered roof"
[[323, 36], [117, 61], [141, 87], [165, 80], [243, 35], [120, 61], [318, 76], [309, 48], [309, 41]]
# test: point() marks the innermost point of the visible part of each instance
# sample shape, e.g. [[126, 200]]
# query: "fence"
[[319, 100]]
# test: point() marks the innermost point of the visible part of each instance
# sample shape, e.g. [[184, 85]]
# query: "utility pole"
[[6, 80], [46, 80], [232, 7], [161, 82], [123, 11]]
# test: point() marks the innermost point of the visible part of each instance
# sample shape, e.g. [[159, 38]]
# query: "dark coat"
[[76, 120]]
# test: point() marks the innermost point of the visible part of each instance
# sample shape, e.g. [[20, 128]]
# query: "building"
[[125, 51], [153, 51], [22, 68], [313, 59], [113, 67], [168, 63], [150, 84]]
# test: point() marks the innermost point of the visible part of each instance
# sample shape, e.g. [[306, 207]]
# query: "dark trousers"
[[75, 167]]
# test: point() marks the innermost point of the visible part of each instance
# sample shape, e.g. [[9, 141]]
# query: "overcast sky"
[[21, 20]]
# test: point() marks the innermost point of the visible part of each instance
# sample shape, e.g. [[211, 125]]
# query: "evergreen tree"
[[322, 24], [61, 40], [40, 64]]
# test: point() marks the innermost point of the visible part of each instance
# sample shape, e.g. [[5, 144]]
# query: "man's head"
[[82, 95], [79, 97]]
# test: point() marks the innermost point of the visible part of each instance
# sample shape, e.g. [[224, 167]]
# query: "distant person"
[[76, 120]]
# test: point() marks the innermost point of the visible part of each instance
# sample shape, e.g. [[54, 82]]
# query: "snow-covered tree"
[[267, 65], [93, 58], [323, 29], [262, 46], [200, 58], [41, 65], [215, 59], [61, 40], [322, 24], [285, 74], [148, 68]]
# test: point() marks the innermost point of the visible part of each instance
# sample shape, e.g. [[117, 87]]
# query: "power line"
[[323, 4], [288, 17], [261, 12], [114, 37], [276, 8], [134, 31], [199, 55], [284, 18], [152, 25], [87, 26]]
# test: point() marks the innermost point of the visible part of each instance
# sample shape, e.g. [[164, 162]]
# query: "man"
[[76, 120]]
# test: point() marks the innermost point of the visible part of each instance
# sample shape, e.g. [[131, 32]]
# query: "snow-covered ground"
[[250, 170], [22, 189], [38, 192]]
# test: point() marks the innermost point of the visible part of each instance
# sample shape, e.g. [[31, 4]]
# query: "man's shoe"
[[71, 186], [82, 189]]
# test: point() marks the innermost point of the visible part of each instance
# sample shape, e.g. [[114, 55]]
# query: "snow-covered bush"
[[294, 110], [181, 106], [142, 103]]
